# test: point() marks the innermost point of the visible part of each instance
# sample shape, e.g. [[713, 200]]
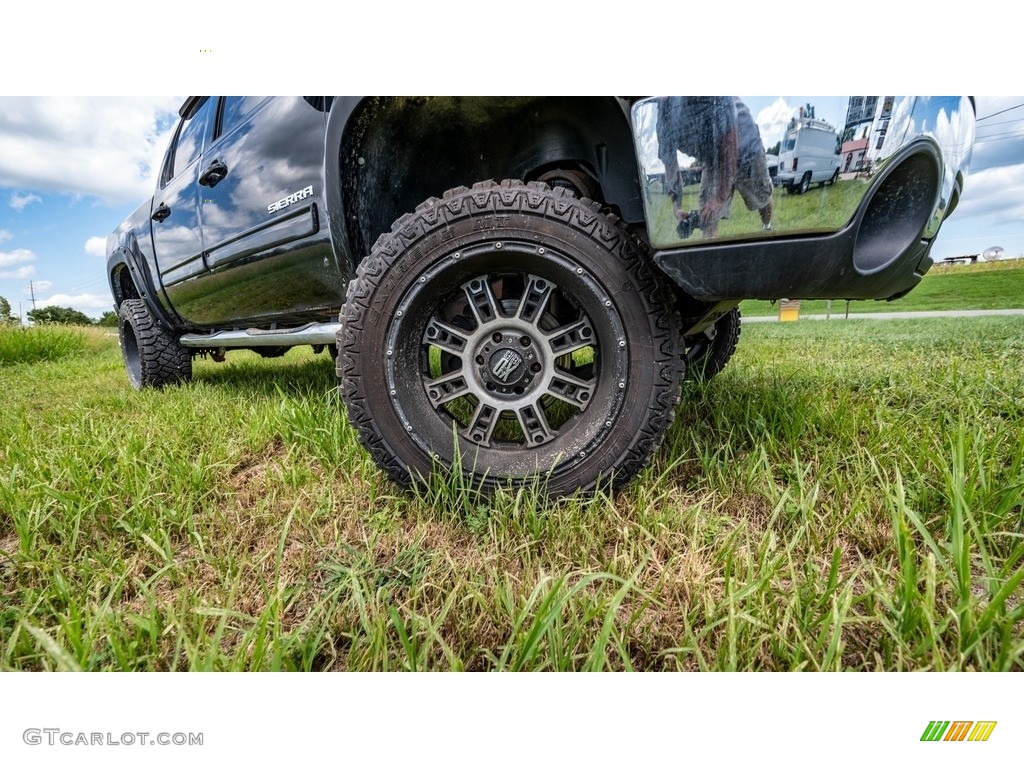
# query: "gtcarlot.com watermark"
[[56, 737]]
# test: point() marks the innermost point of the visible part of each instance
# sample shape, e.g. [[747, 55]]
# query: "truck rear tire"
[[707, 354], [517, 331], [152, 355]]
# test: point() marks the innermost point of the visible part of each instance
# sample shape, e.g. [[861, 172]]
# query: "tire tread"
[[583, 215]]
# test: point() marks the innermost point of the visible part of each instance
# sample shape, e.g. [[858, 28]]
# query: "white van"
[[809, 155]]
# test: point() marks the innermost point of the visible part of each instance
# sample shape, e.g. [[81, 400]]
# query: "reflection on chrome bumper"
[[694, 131], [853, 223]]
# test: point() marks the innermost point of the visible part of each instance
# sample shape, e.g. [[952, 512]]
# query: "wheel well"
[[398, 152], [122, 284]]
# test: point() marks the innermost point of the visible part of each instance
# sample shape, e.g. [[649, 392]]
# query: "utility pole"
[[32, 290]]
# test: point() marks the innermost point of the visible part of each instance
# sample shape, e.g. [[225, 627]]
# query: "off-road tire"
[[152, 355], [706, 356], [483, 239]]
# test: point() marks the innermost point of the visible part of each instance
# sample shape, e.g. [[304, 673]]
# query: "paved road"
[[894, 315]]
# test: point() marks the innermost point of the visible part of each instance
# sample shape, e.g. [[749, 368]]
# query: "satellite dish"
[[992, 254]]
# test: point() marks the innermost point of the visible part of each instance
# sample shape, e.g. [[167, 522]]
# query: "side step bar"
[[311, 333]]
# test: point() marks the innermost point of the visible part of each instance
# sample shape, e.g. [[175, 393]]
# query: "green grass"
[[842, 497], [992, 285], [47, 342]]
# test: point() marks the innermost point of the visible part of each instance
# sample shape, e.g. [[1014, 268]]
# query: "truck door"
[[267, 244], [177, 240]]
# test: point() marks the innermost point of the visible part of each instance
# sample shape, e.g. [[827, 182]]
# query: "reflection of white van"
[[809, 155]]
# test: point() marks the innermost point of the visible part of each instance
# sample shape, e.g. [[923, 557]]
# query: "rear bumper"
[[879, 250]]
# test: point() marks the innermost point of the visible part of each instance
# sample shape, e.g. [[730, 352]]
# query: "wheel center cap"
[[506, 366]]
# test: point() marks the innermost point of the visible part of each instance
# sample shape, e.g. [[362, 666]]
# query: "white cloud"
[[988, 193], [5, 235], [12, 258], [39, 285], [21, 273], [20, 200], [18, 256], [96, 246], [772, 121], [81, 301], [107, 147]]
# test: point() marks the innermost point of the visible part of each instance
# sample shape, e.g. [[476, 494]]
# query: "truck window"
[[189, 142], [235, 110]]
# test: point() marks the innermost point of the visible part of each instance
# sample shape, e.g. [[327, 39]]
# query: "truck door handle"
[[161, 212], [214, 175]]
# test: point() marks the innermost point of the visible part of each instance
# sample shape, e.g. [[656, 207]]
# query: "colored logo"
[[958, 730]]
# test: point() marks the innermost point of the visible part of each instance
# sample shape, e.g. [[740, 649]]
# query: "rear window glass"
[[190, 139], [236, 110]]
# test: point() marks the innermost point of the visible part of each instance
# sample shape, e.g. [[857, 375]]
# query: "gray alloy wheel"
[[514, 328]]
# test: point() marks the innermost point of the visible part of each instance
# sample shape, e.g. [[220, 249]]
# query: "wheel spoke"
[[571, 389], [481, 424], [447, 337], [535, 298], [535, 424], [446, 388], [481, 300], [569, 338]]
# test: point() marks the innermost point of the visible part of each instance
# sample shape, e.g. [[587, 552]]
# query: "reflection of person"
[[719, 133]]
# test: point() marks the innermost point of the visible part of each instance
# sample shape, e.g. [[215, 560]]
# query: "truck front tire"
[[515, 331], [152, 355]]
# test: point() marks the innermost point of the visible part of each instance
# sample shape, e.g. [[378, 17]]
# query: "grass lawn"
[[992, 285], [842, 497]]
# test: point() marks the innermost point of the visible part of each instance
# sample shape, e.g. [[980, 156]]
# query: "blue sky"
[[71, 168]]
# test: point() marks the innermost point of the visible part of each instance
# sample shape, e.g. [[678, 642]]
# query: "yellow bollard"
[[789, 310]]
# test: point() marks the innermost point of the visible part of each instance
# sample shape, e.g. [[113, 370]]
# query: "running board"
[[311, 333]]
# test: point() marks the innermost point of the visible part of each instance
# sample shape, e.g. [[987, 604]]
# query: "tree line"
[[55, 316]]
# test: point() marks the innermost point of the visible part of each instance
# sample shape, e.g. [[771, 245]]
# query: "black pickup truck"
[[517, 286]]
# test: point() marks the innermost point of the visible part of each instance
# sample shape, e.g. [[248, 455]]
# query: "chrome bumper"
[[864, 237]]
